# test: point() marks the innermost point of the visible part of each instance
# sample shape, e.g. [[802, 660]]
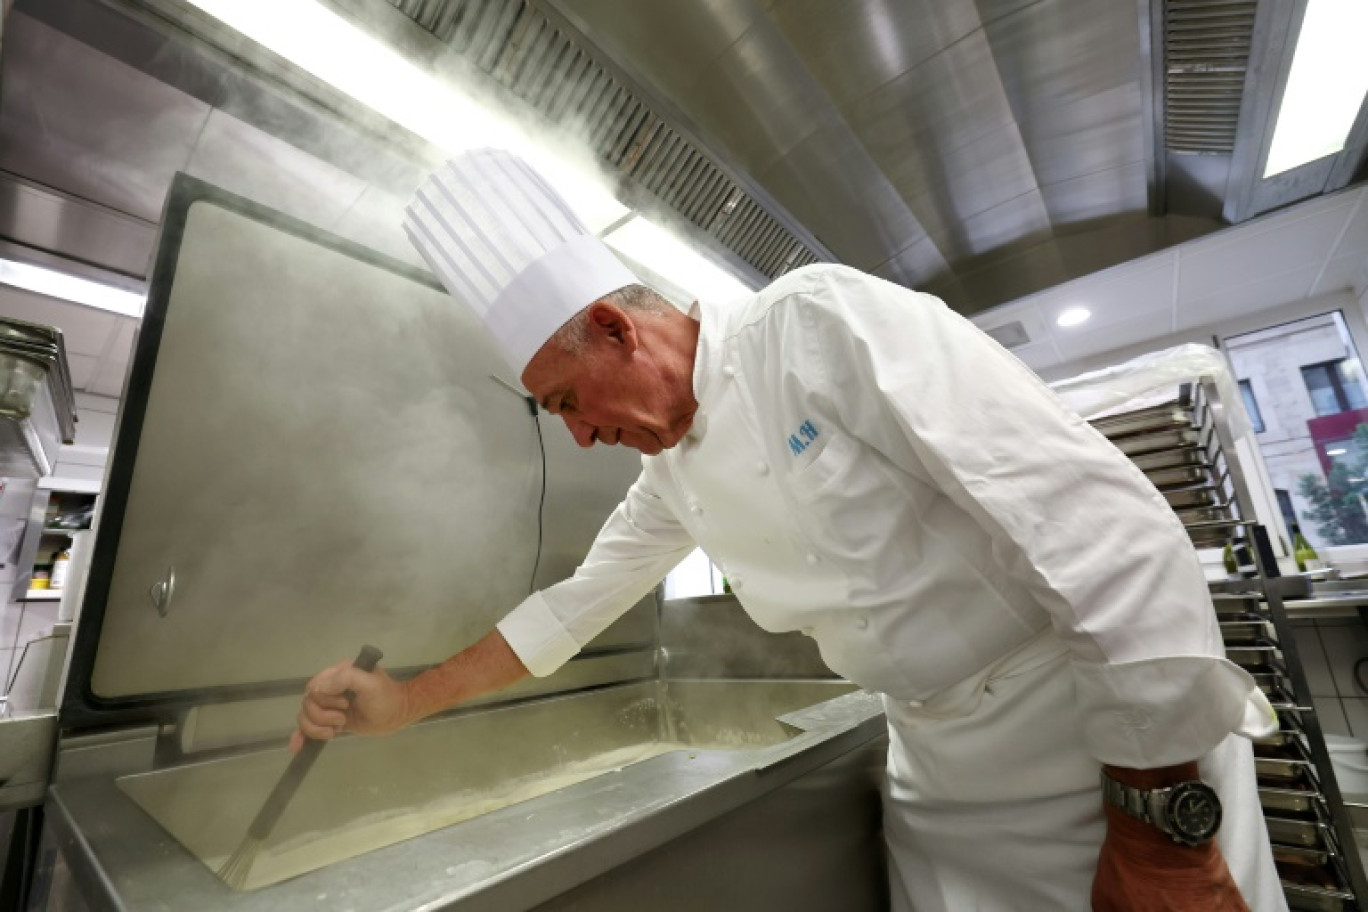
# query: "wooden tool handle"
[[270, 812]]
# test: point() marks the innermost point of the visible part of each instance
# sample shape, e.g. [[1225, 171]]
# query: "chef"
[[869, 469]]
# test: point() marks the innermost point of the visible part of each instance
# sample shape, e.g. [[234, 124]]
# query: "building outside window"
[[1252, 406], [1334, 386], [1311, 416]]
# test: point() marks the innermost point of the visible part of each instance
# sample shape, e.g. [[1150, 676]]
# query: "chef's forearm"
[[488, 665]]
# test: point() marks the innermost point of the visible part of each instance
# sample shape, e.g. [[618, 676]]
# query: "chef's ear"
[[612, 323]]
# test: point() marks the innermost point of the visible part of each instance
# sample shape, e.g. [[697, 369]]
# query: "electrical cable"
[[541, 502]]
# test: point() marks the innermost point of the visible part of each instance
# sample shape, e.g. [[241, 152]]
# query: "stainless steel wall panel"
[[43, 219], [237, 470], [96, 128]]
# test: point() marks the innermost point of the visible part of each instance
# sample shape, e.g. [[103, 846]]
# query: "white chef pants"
[[1000, 810]]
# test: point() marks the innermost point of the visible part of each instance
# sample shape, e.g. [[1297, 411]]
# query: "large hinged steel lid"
[[312, 454]]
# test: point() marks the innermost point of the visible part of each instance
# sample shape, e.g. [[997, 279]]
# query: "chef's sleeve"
[[1070, 516], [640, 543]]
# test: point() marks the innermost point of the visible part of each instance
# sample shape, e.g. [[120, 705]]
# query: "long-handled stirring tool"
[[235, 870]]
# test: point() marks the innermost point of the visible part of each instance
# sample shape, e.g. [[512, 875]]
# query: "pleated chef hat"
[[504, 243]]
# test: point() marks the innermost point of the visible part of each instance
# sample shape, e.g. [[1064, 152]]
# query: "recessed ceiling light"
[[1325, 85], [1073, 316], [65, 287]]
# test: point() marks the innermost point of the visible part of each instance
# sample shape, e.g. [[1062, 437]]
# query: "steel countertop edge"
[[510, 859]]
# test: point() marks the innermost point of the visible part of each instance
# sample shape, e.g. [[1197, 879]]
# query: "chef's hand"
[[378, 707], [1141, 869]]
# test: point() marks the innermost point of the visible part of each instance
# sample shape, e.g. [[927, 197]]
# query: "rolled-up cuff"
[[537, 636], [1162, 712]]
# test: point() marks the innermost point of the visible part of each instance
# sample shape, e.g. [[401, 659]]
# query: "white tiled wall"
[[1329, 650]]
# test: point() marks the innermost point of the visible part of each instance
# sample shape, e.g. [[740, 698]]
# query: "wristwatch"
[[1189, 812]]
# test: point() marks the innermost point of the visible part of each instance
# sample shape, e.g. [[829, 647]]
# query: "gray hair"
[[573, 336]]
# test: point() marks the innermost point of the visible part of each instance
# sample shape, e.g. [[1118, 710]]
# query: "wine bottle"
[[1305, 555]]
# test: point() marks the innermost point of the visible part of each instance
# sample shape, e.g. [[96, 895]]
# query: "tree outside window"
[[1338, 504]]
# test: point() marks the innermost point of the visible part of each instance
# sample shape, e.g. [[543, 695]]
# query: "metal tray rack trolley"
[[1186, 447]]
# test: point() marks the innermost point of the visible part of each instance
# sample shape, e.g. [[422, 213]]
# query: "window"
[[1252, 406], [1334, 386], [1289, 515]]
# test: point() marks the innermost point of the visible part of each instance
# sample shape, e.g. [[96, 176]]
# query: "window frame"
[[1251, 404], [1332, 370]]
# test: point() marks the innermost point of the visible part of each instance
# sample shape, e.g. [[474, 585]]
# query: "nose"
[[582, 431]]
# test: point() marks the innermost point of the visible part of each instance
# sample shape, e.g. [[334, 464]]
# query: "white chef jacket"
[[869, 468]]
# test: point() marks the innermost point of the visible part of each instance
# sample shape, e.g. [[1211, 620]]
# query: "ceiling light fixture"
[[655, 248], [66, 287], [1325, 86], [1073, 316], [1338, 451]]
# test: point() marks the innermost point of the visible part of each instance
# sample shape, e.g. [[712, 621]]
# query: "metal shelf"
[[1312, 823]]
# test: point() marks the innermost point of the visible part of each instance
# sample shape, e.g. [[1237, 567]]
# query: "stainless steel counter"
[[511, 859]]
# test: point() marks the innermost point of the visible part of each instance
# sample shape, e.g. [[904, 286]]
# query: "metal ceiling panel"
[[946, 103], [1100, 195], [871, 42], [1016, 220], [683, 40], [82, 121], [1096, 133], [757, 100], [913, 266], [829, 180], [1060, 51]]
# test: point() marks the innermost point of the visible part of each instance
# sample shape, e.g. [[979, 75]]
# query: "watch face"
[[1194, 812]]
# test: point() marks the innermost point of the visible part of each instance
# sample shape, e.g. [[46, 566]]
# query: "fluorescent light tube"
[[70, 288], [1325, 86], [658, 250], [324, 44]]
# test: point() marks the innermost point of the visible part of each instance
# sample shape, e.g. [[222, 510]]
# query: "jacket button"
[[861, 623], [696, 508], [812, 557], [762, 468], [728, 370]]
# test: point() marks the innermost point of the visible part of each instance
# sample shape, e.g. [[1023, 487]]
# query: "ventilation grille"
[[517, 46], [1206, 51]]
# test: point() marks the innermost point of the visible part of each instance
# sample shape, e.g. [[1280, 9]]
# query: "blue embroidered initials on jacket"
[[803, 437]]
